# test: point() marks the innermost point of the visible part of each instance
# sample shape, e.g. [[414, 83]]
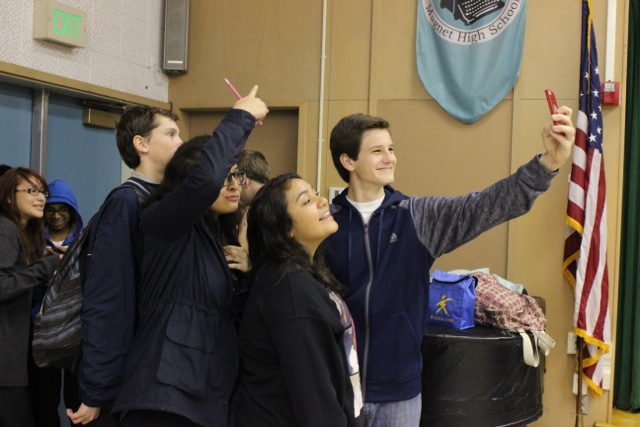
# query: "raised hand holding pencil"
[[233, 89], [248, 103]]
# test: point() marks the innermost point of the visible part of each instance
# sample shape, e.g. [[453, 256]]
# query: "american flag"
[[585, 251]]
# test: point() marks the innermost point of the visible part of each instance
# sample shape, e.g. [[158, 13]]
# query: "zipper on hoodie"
[[365, 357]]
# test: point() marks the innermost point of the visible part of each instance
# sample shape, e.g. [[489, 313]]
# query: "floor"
[[620, 419], [625, 419]]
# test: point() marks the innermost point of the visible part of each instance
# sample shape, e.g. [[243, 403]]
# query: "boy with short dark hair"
[[387, 243], [254, 163], [146, 138]]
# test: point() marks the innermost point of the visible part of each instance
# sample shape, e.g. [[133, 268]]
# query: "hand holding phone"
[[553, 104]]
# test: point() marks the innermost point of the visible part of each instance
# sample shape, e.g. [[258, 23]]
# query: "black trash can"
[[477, 377]]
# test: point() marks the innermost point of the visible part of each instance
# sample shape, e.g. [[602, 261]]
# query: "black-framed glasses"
[[239, 176], [62, 210], [34, 192]]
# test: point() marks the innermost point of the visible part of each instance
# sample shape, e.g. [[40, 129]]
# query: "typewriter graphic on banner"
[[469, 11]]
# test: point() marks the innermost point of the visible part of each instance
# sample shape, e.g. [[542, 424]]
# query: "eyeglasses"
[[34, 192], [239, 176], [62, 210]]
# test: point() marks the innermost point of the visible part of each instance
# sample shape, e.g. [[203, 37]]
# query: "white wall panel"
[[124, 47]]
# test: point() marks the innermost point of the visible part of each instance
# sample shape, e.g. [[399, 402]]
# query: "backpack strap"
[[141, 191]]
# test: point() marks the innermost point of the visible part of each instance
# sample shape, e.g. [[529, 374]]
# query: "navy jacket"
[[184, 356], [385, 264], [109, 297]]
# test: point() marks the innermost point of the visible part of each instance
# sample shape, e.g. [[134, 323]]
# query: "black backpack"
[[57, 328]]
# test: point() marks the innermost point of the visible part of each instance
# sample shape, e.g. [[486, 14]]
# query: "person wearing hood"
[[63, 224]]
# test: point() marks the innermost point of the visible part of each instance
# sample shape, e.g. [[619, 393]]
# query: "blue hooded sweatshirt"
[[384, 266], [60, 192]]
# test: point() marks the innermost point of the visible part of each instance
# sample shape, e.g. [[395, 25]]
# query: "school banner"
[[469, 52]]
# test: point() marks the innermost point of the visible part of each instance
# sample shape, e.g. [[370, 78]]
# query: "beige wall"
[[278, 141], [370, 67]]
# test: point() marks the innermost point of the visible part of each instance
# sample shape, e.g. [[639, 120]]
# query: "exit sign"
[[59, 23]]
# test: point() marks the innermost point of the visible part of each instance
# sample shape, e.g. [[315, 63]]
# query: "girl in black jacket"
[[297, 343], [23, 266], [183, 362]]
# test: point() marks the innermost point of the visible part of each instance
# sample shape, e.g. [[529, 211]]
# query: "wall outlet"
[[605, 359], [571, 343]]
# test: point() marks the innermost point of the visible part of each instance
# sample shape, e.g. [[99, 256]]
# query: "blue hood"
[[60, 192]]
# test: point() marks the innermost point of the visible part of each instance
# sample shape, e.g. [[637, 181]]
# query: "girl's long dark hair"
[[32, 234], [269, 233], [224, 227]]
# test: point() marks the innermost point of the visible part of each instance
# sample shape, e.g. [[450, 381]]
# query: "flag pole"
[[579, 415]]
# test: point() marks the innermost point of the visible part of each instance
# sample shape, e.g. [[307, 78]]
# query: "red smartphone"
[[553, 104]]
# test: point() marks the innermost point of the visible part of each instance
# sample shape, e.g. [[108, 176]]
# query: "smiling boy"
[[387, 243]]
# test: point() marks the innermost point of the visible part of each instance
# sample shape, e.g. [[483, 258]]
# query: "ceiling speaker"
[[176, 36]]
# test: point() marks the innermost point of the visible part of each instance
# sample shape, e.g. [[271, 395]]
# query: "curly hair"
[[269, 233]]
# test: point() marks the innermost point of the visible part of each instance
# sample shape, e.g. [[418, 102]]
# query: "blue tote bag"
[[452, 300]]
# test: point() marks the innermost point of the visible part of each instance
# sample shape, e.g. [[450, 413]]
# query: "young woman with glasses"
[[183, 362], [227, 217], [24, 264]]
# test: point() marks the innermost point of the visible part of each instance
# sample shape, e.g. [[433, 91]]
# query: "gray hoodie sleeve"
[[445, 223]]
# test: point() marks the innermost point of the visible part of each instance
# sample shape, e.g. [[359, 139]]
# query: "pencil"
[[233, 89]]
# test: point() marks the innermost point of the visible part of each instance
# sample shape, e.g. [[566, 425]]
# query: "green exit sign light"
[[59, 23]]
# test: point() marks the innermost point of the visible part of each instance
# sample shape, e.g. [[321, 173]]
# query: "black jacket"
[[18, 277], [294, 367]]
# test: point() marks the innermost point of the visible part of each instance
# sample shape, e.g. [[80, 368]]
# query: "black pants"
[[15, 407], [44, 388]]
